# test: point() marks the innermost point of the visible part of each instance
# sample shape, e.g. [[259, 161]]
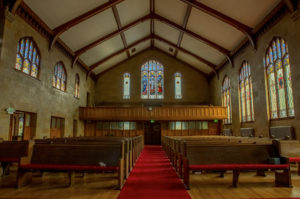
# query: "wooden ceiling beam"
[[152, 10], [208, 63], [219, 48], [64, 27], [226, 19], [95, 65], [185, 21], [291, 5], [118, 21], [16, 6], [109, 36]]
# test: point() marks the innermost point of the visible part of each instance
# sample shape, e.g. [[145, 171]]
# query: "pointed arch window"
[[28, 57], [77, 86], [178, 94], [226, 99], [279, 83], [126, 86], [246, 95], [152, 80], [60, 78]]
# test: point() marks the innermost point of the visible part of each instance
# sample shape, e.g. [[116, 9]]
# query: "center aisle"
[[153, 178]]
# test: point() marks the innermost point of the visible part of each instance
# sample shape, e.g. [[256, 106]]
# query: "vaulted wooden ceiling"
[[103, 33]]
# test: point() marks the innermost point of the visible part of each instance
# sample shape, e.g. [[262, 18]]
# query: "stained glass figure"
[[77, 86], [152, 80], [246, 95], [59, 78], [227, 99], [279, 85], [126, 86], [178, 94], [27, 58]]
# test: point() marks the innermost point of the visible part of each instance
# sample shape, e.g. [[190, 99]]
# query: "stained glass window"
[[178, 94], [77, 86], [28, 56], [226, 99], [246, 95], [279, 84], [126, 86], [152, 80], [60, 78]]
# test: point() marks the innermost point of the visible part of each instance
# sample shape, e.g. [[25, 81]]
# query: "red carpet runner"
[[153, 178]]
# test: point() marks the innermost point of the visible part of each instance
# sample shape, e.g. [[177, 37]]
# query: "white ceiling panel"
[[111, 62], [171, 9], [201, 49], [214, 29], [249, 12], [164, 47], [140, 47], [137, 32], [103, 50], [57, 12], [90, 30], [131, 10], [167, 32], [194, 62]]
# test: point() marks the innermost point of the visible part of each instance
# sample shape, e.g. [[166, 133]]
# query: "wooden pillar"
[[2, 23]]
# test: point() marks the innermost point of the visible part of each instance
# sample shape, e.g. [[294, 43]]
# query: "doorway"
[[152, 133]]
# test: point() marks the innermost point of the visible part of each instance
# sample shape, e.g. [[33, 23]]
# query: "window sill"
[[284, 118], [19, 71], [65, 91], [248, 122]]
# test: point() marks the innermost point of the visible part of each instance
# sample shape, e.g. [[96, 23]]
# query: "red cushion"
[[61, 167], [294, 159], [237, 166], [9, 159]]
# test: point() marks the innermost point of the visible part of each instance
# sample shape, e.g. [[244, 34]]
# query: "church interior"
[[149, 99]]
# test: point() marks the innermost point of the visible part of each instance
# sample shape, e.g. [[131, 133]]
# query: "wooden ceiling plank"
[[222, 17], [185, 21], [92, 67], [64, 27], [208, 63]]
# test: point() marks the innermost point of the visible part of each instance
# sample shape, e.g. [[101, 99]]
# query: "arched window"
[[28, 57], [126, 86], [152, 80], [178, 94], [246, 95], [60, 78], [279, 84], [77, 86], [226, 99]]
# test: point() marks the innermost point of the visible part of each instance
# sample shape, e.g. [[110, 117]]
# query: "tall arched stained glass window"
[[226, 99], [279, 83], [178, 94], [126, 86], [77, 86], [28, 57], [152, 80], [60, 78], [246, 95]]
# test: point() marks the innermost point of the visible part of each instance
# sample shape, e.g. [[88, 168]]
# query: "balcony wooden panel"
[[157, 113]]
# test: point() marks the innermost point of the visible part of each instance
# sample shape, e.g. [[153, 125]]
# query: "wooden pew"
[[73, 158], [12, 151], [237, 157], [291, 149]]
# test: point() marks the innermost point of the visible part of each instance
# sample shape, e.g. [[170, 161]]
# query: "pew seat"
[[59, 167], [238, 166]]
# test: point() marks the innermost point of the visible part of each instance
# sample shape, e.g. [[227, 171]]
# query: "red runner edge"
[[153, 178]]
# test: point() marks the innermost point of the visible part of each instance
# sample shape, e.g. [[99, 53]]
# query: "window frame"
[[227, 121]]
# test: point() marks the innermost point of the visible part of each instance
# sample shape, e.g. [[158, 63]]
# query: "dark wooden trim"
[[108, 36], [95, 65], [208, 63], [291, 5], [152, 10], [64, 27], [178, 27], [185, 21], [226, 19]]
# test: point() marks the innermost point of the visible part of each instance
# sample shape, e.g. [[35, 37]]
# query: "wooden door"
[[152, 133]]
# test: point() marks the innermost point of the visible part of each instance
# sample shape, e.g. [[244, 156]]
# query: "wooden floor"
[[102, 186]]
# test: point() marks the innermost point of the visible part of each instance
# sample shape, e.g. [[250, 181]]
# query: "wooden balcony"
[[164, 113]]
